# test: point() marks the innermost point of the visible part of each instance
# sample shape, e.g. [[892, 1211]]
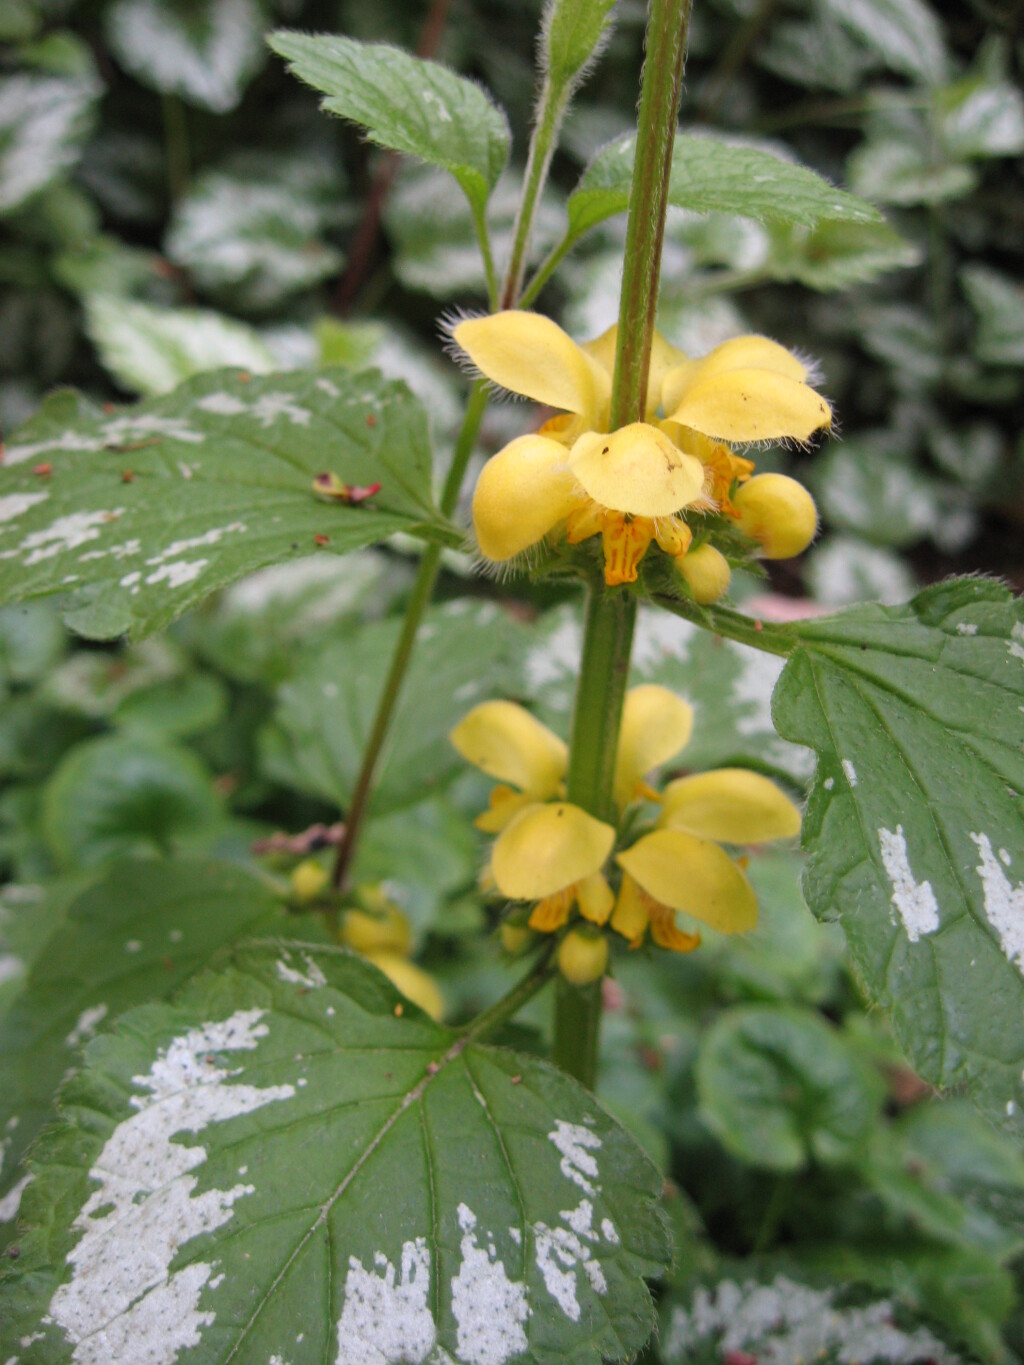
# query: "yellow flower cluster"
[[635, 485], [556, 856], [379, 931]]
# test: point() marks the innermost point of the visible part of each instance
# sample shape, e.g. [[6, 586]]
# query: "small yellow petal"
[[582, 957], [624, 541], [502, 804], [693, 875], [778, 513], [664, 358], [673, 536], [586, 521], [752, 405], [595, 898], [388, 932], [522, 493], [656, 724], [731, 805], [632, 912], [412, 981], [551, 912], [527, 353], [547, 848], [636, 469], [741, 353], [706, 573], [602, 349], [665, 933], [506, 742]]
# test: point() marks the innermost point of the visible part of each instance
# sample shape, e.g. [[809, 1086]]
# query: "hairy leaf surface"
[[294, 1164]]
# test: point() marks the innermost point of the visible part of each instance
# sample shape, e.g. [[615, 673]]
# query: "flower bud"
[[582, 957], [308, 879], [414, 983], [384, 933], [514, 938], [706, 573], [777, 512]]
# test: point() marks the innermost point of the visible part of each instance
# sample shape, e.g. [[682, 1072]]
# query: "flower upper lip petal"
[[505, 741], [637, 470], [656, 724], [693, 875], [529, 354], [547, 848]]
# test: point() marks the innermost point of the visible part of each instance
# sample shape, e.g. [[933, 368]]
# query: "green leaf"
[[119, 795], [817, 55], [94, 683], [574, 33], [894, 170], [135, 936], [264, 628], [464, 655], [151, 350], [32, 641], [904, 34], [278, 1156], [44, 119], [946, 1171], [916, 714], [782, 1317], [838, 255], [711, 175], [999, 302], [982, 117], [252, 237], [870, 486], [205, 51], [406, 104], [780, 1087], [220, 482]]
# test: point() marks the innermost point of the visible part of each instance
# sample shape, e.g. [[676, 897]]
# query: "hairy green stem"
[[419, 600], [767, 636], [554, 100], [511, 1003], [611, 614], [604, 671]]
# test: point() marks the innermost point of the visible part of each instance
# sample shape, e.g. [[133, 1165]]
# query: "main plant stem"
[[611, 613], [419, 600]]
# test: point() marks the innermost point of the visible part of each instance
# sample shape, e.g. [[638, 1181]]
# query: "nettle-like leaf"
[[999, 304], [253, 242], [142, 512], [44, 119], [904, 34], [206, 51], [574, 32], [786, 1319], [712, 175], [780, 1087], [294, 1164], [464, 655], [150, 350], [914, 824], [837, 255], [406, 104], [135, 936]]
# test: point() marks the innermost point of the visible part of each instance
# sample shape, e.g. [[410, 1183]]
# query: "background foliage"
[[172, 201]]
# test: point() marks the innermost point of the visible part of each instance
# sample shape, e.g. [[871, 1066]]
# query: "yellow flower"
[[630, 486], [680, 866], [553, 853], [627, 486]]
